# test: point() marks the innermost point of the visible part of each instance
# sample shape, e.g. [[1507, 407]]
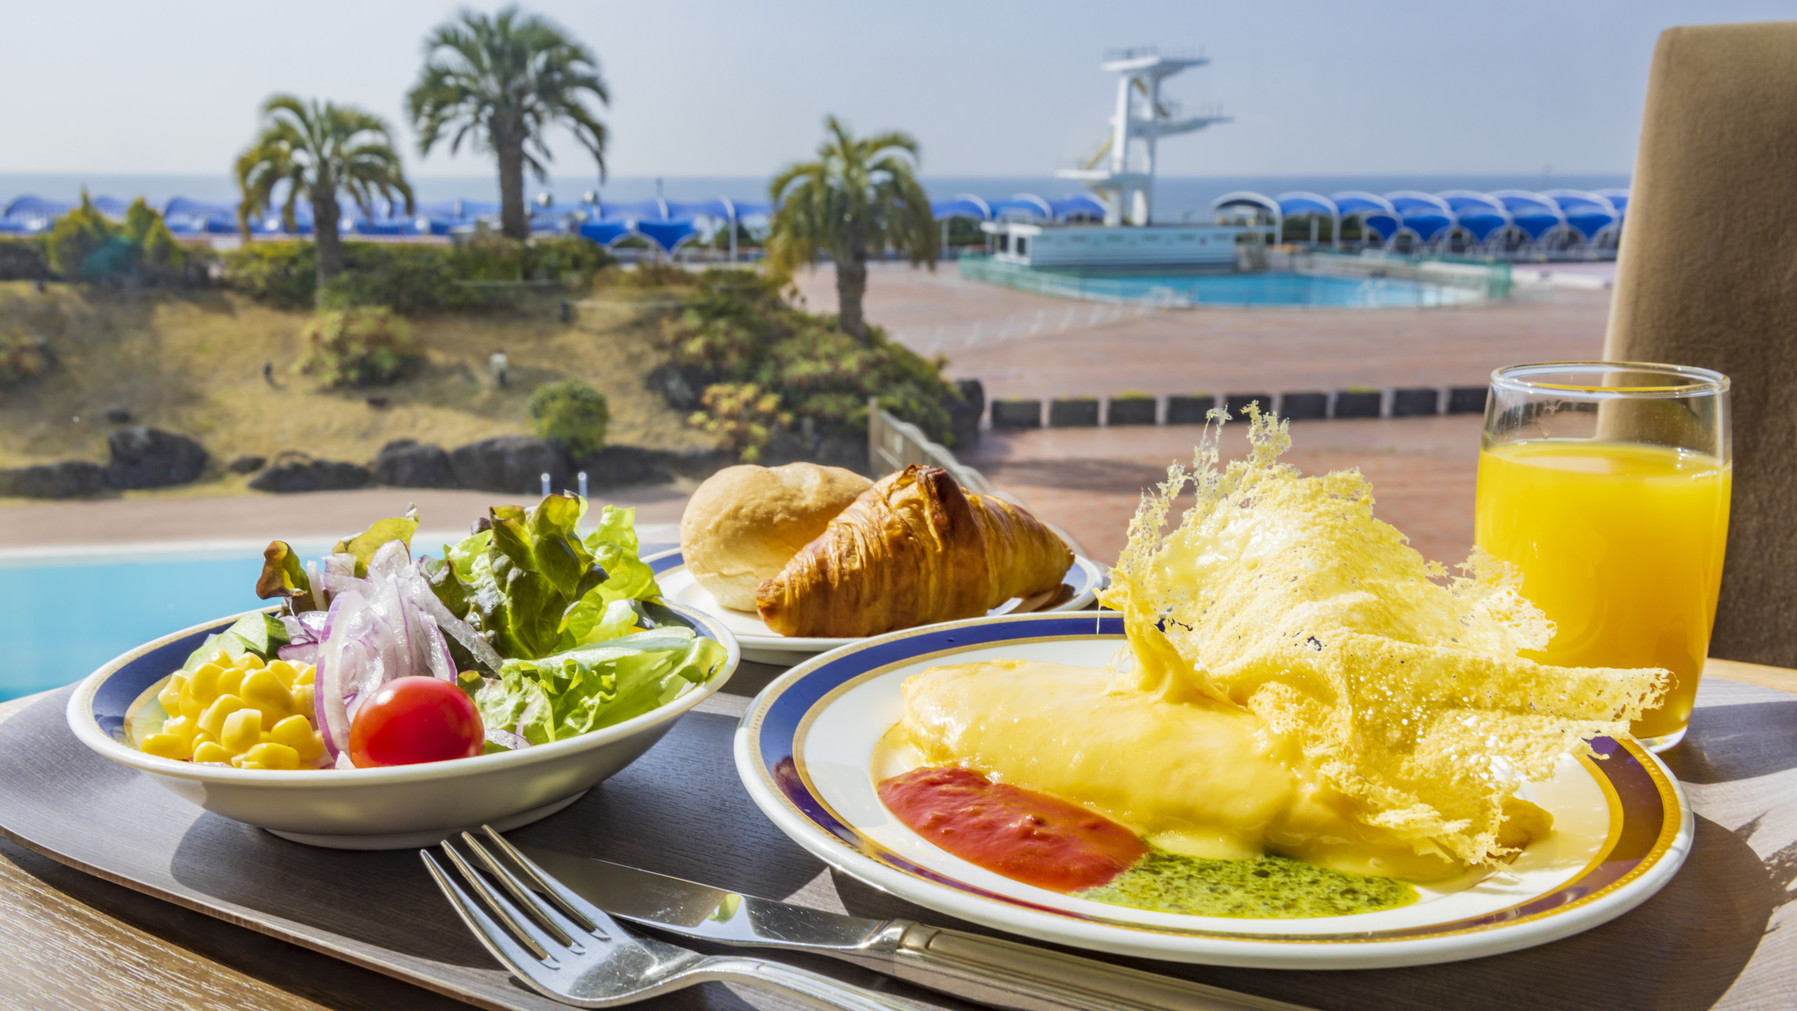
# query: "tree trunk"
[[851, 284], [326, 213], [514, 222]]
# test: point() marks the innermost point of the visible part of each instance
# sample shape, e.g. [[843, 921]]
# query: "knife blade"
[[987, 970]]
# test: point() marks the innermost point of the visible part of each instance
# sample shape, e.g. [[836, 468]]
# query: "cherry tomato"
[[415, 719]]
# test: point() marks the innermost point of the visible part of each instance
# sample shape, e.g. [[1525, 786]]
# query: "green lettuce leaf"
[[366, 543], [580, 690], [284, 575], [533, 587], [260, 633]]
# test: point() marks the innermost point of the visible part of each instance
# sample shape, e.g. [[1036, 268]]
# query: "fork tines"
[[538, 928]]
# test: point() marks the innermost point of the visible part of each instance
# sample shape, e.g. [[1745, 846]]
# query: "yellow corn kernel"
[[183, 727], [246, 661], [303, 697], [212, 720], [304, 676], [283, 670], [201, 737], [170, 695], [268, 755], [202, 685], [263, 690], [296, 732], [167, 746], [242, 731], [210, 751], [230, 680]]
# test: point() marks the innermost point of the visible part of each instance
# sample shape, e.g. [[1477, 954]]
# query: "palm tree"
[[319, 149], [859, 195], [504, 79]]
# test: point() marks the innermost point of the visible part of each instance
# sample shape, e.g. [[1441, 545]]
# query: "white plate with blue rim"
[[761, 644], [809, 750]]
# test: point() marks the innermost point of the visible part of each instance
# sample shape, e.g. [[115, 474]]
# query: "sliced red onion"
[[304, 652], [506, 739]]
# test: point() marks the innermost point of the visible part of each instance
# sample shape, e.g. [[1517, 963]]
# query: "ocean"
[[1176, 197]]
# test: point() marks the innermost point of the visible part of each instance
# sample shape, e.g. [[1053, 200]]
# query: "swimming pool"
[[1269, 288], [62, 617]]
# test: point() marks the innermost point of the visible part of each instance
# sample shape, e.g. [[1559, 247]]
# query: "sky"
[[989, 88]]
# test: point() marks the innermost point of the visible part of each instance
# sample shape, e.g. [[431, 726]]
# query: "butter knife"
[[986, 970]]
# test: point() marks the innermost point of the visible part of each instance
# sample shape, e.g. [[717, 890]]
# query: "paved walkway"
[[1089, 481], [1027, 345], [323, 515]]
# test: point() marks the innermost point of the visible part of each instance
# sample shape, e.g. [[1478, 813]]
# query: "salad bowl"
[[394, 807]]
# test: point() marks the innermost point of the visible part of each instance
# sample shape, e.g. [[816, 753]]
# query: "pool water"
[[1265, 288], [61, 619]]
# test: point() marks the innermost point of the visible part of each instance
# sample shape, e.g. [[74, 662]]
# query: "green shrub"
[[26, 258], [365, 346], [656, 274], [404, 277], [23, 358], [738, 330], [407, 277], [279, 273], [742, 416], [570, 414], [85, 245], [1133, 395], [566, 258]]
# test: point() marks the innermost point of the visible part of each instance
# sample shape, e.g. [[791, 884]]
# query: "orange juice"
[[1621, 545]]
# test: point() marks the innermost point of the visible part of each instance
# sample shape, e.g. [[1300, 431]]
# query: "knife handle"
[[1007, 974]]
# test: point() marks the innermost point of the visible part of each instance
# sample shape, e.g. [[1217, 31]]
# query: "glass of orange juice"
[[1607, 485]]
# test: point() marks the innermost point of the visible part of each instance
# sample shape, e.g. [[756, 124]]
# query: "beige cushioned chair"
[[1708, 276]]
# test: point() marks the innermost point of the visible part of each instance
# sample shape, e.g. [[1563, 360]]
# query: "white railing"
[[893, 444]]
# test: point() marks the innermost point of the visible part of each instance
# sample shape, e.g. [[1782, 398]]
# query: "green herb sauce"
[[1266, 886]]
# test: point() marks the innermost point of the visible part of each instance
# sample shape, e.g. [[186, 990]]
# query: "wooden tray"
[[680, 810]]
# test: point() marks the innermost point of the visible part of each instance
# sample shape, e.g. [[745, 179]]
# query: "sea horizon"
[[1175, 196]]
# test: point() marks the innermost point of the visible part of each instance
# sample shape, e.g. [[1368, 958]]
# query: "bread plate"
[[807, 745], [761, 644]]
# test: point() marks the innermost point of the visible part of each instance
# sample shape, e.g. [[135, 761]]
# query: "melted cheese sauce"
[[1193, 776]]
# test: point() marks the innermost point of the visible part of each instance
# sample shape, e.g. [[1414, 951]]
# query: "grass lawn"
[[191, 363]]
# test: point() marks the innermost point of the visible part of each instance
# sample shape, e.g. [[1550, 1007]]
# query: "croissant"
[[912, 549]]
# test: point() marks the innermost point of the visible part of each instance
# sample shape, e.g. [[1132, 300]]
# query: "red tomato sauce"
[[1024, 835]]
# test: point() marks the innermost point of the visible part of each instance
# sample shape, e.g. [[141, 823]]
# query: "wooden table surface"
[[68, 940]]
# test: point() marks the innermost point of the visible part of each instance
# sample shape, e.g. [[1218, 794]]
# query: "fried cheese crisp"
[[1282, 594]]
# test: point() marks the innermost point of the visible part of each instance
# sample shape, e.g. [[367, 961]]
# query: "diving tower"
[[1141, 119], [1122, 173]]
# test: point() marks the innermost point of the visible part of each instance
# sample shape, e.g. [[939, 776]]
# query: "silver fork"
[[570, 950]]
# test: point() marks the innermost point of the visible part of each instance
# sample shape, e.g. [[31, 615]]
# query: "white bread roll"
[[744, 523]]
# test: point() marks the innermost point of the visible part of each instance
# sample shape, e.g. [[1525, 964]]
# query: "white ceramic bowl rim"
[[88, 731]]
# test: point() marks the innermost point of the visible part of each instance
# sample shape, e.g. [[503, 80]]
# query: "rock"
[[676, 386], [144, 457], [407, 463], [696, 462], [964, 414], [512, 463], [248, 464], [118, 416], [616, 466], [63, 479], [294, 472]]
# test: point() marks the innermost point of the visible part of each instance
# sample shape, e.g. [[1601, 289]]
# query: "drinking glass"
[[1607, 485]]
